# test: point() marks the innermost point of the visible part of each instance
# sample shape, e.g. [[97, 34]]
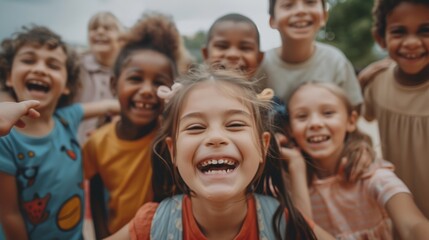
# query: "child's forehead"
[[42, 47], [226, 25], [104, 20]]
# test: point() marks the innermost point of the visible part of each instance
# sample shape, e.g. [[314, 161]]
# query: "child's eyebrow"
[[227, 113]]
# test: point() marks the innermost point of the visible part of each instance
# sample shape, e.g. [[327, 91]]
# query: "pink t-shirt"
[[356, 210]]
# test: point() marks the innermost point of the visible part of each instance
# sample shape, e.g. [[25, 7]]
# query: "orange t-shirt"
[[141, 224]]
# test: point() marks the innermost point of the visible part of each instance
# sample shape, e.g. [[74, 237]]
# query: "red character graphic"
[[36, 209]]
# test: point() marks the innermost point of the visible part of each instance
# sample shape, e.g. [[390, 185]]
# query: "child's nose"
[[412, 41], [147, 89], [216, 139], [315, 122], [40, 68], [233, 53]]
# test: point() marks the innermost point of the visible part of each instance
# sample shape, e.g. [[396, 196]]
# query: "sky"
[[69, 18]]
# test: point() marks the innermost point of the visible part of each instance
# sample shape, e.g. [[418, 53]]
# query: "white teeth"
[[37, 82], [218, 171], [317, 139], [215, 162], [143, 105], [300, 24]]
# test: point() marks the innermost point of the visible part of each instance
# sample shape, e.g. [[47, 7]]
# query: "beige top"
[[402, 113], [95, 87], [356, 211]]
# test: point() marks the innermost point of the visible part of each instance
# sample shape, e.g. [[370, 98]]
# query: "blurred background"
[[348, 28]]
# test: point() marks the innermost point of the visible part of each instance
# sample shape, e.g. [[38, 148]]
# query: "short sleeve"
[[73, 114], [140, 225], [7, 164], [350, 84], [384, 184], [89, 157]]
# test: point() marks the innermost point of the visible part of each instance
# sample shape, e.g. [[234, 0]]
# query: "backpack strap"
[[167, 221], [266, 206]]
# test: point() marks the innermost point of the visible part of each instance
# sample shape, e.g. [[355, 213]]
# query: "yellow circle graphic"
[[70, 213]]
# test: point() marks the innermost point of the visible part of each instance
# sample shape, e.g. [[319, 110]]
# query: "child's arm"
[[11, 112], [407, 218], [369, 72], [10, 215], [98, 108], [98, 207], [298, 176], [122, 234]]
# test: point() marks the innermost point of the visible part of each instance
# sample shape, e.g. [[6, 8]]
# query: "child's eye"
[[424, 30], [54, 66], [134, 78], [27, 60], [195, 128], [397, 32], [236, 125], [221, 45], [328, 113]]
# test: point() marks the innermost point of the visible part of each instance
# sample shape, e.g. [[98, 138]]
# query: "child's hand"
[[292, 156], [357, 166], [11, 112]]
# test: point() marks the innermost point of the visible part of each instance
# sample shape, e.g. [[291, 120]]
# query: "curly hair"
[[272, 5], [38, 36], [382, 8], [154, 31]]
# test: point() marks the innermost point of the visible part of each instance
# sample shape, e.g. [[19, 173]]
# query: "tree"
[[349, 29], [194, 44]]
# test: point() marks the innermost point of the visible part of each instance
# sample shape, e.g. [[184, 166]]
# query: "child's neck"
[[38, 127], [219, 220], [128, 131], [295, 52], [411, 79], [106, 59]]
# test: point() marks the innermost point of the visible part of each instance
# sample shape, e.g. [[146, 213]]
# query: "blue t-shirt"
[[49, 177]]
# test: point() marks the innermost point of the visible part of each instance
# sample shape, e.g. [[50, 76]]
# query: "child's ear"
[[260, 57], [273, 23], [266, 136], [205, 53], [170, 146], [8, 80], [352, 122], [66, 91], [325, 18], [113, 84], [379, 39]]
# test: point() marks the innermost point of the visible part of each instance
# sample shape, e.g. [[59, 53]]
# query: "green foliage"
[[349, 29], [194, 44]]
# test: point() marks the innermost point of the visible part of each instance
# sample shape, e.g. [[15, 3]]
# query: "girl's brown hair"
[[268, 180], [39, 37]]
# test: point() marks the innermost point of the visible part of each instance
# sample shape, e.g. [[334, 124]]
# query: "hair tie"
[[266, 94], [166, 93]]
